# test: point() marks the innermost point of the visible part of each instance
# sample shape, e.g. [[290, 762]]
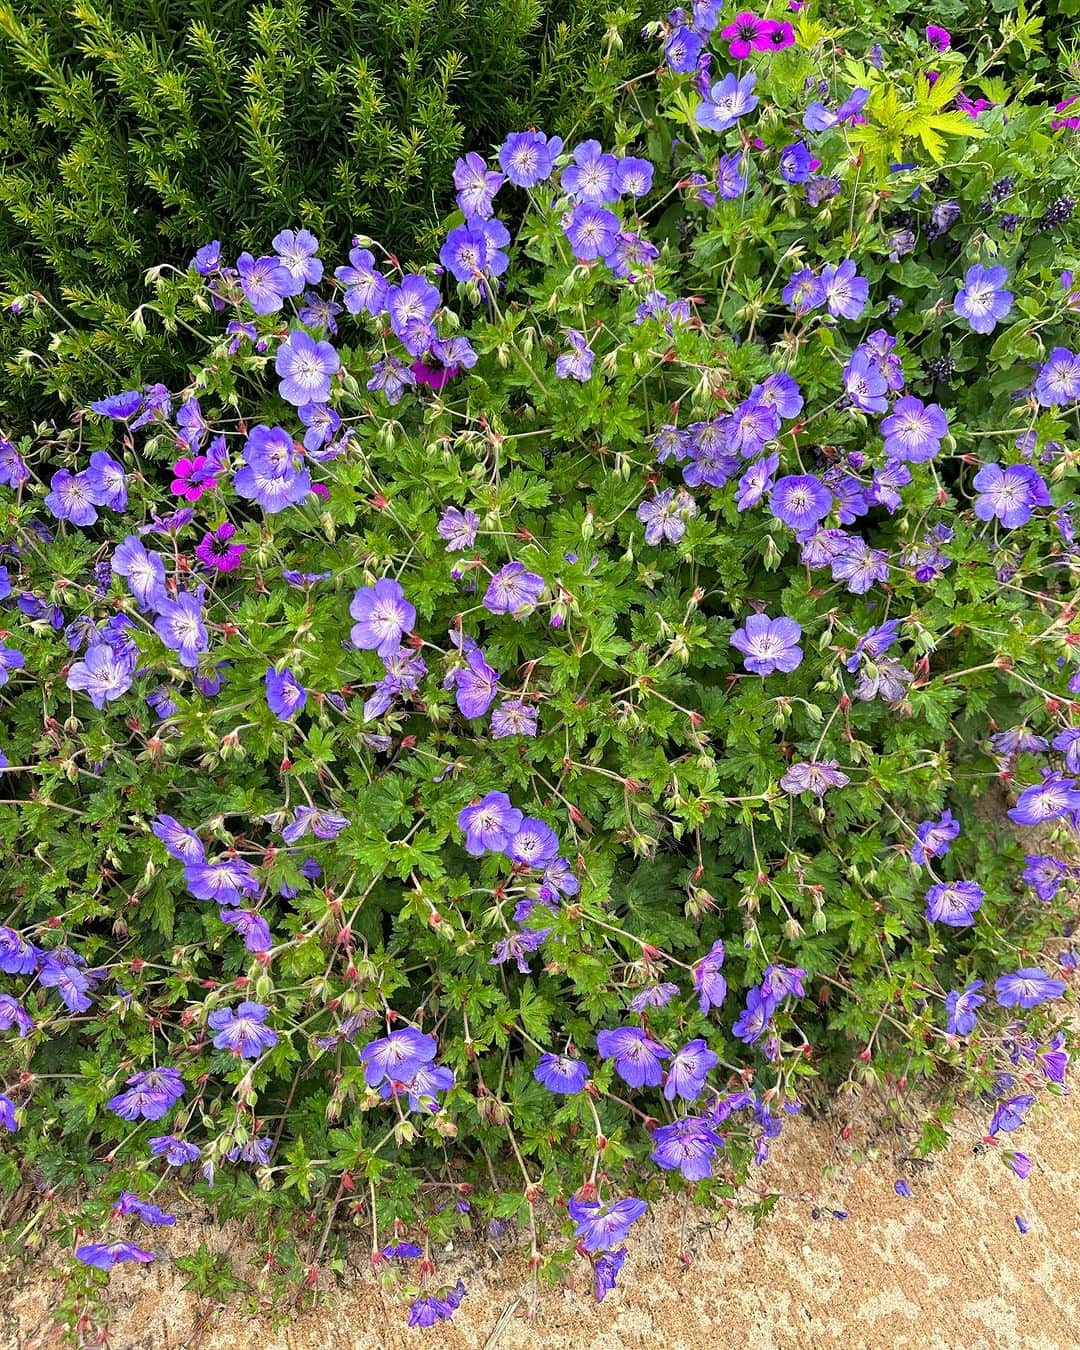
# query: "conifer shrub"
[[499, 736]]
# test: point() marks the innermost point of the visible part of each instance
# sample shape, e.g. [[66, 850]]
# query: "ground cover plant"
[[499, 736]]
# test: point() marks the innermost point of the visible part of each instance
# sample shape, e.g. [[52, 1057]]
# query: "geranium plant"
[[501, 734]]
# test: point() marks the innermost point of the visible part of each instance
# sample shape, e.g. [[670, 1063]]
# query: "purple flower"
[[1009, 1115], [14, 1015], [768, 644], [10, 659], [577, 363], [1027, 988], [458, 528], [606, 1271], [216, 549], [426, 1311], [902, 1189], [600, 1227], [365, 285], [382, 615], [17, 956], [415, 300], [688, 1146], [864, 382], [518, 947], [1054, 797], [475, 684], [476, 186], [120, 406], [633, 176], [181, 628], [59, 971], [561, 1073], [796, 163], [514, 591], [1055, 1060], [107, 481], [103, 675], [1022, 1225], [682, 47], [105, 1255], [1058, 380], [241, 1030], [653, 996], [284, 696], [665, 516], [781, 982], [638, 1058], [398, 1057], [938, 38], [800, 500], [489, 824], [151, 1094], [1009, 494], [1019, 1162], [129, 1203], [296, 250], [1045, 874], [845, 291], [308, 819], [816, 778], [732, 178], [804, 292], [913, 430], [7, 1114], [593, 176], [533, 844], [252, 927], [729, 99], [591, 230], [305, 367], [176, 1152], [181, 843], [709, 983], [933, 838], [226, 883], [513, 717], [528, 157], [71, 498], [982, 300], [688, 1070], [754, 1018], [265, 282], [955, 904]]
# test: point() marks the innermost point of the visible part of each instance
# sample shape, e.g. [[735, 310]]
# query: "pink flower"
[[938, 38], [216, 552], [746, 33], [435, 377], [192, 477]]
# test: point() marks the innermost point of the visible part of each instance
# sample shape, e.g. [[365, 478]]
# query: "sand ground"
[[946, 1270]]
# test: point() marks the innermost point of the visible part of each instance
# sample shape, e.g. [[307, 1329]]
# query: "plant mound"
[[506, 730]]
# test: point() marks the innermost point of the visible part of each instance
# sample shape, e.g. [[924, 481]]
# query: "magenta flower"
[[746, 34], [216, 550], [939, 38], [193, 477]]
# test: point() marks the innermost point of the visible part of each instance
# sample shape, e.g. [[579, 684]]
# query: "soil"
[[945, 1270]]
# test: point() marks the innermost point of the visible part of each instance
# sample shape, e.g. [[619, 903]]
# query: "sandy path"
[[947, 1270]]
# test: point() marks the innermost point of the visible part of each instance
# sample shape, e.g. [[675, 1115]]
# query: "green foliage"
[[132, 133]]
